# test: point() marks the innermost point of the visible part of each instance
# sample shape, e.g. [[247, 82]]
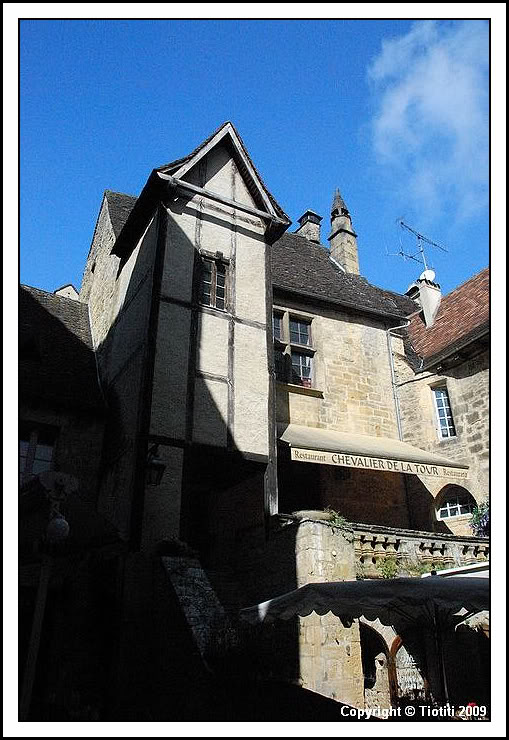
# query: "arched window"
[[454, 501]]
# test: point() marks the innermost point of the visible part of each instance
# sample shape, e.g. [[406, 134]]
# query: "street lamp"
[[155, 467], [57, 486], [57, 530]]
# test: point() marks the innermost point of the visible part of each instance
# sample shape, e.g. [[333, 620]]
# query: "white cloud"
[[430, 126]]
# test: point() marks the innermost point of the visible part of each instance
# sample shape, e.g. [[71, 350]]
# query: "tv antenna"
[[420, 249]]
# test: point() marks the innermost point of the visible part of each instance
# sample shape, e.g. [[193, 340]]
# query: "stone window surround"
[[442, 386], [284, 344]]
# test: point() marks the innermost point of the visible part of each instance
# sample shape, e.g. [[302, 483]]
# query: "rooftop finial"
[[338, 204]]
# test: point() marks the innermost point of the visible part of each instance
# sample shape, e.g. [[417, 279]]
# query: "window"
[[301, 369], [444, 414], [293, 351], [36, 446], [455, 503], [213, 283], [300, 331], [277, 326]]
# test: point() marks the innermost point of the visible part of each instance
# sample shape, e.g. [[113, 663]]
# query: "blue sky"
[[393, 112]]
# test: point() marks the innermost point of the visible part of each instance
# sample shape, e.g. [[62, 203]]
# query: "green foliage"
[[388, 568], [415, 570], [335, 518], [480, 521], [360, 573]]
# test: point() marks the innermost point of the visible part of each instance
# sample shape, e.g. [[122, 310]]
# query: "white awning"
[[326, 447], [479, 622], [398, 600]]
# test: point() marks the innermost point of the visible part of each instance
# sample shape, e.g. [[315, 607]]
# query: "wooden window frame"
[[287, 348], [215, 262]]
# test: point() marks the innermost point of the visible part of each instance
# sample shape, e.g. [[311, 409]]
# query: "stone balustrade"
[[384, 551], [325, 551], [309, 547]]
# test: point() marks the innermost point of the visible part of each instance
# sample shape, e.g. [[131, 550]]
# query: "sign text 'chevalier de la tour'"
[[366, 462]]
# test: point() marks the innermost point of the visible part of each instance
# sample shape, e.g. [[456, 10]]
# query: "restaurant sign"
[[366, 462]]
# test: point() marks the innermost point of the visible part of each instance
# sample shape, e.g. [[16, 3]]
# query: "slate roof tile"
[[120, 206], [305, 267], [56, 363]]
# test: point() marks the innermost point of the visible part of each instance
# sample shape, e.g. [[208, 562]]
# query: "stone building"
[[445, 407], [277, 389]]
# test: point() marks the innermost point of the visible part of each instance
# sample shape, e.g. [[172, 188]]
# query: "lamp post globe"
[[57, 530]]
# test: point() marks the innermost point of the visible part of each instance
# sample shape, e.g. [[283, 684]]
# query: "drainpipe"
[[393, 376], [397, 407]]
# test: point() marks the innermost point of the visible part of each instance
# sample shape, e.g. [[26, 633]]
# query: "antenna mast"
[[420, 249]]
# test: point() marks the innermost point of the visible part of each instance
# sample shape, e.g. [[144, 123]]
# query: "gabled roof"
[[463, 316], [57, 363], [133, 213], [228, 136], [304, 267]]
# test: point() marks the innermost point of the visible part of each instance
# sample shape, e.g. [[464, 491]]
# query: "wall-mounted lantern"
[[155, 467]]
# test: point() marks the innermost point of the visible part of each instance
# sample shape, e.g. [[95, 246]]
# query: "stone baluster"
[[379, 550], [481, 552], [393, 548], [426, 552], [468, 555]]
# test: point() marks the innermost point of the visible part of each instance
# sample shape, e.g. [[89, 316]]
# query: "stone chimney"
[[427, 295], [343, 239], [310, 226]]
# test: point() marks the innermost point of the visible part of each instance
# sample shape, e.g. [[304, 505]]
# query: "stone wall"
[[99, 269], [325, 655], [330, 654], [119, 306], [78, 446], [468, 389], [352, 371]]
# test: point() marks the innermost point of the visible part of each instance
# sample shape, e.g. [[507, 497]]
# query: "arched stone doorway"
[[375, 668], [408, 671]]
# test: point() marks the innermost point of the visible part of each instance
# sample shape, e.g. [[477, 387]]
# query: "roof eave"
[[455, 347], [335, 302], [143, 209]]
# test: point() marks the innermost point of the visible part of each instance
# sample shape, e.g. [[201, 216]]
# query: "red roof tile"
[[460, 314]]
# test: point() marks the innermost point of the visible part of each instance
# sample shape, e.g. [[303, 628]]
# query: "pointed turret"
[[338, 204], [343, 239]]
